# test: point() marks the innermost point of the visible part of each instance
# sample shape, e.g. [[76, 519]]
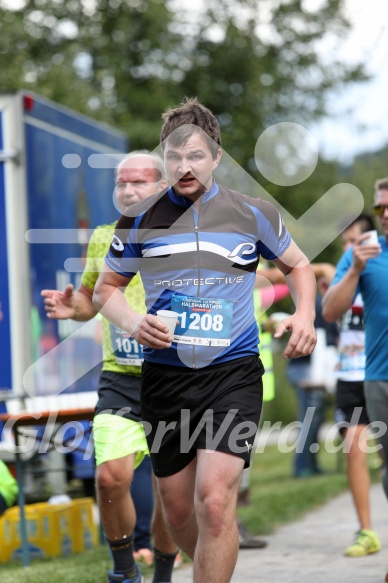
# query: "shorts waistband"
[[220, 366]]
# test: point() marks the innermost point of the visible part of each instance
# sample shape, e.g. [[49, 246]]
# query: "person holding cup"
[[363, 269], [350, 406], [197, 247]]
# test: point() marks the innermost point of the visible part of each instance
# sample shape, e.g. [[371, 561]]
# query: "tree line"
[[255, 63]]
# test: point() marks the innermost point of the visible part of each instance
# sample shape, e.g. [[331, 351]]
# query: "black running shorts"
[[350, 406], [119, 392], [215, 408]]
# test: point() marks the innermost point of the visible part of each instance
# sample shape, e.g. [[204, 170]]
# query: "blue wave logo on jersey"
[[243, 249]]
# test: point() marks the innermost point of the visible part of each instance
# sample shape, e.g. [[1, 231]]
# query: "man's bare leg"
[[358, 473], [117, 511], [177, 495], [165, 549], [217, 484], [200, 504], [162, 537]]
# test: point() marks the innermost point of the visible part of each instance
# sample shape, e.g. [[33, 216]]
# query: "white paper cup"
[[169, 318], [373, 238]]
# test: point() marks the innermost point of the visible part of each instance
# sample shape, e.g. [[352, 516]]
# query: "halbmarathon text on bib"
[[203, 321]]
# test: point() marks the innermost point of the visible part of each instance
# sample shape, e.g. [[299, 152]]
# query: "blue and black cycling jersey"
[[204, 262]]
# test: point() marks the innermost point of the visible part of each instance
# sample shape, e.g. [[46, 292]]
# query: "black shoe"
[[246, 541]]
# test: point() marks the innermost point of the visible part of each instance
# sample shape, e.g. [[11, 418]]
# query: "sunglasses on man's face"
[[379, 209]]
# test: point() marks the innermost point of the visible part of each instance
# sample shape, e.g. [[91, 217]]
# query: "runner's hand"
[[362, 252], [151, 332], [59, 305], [303, 336]]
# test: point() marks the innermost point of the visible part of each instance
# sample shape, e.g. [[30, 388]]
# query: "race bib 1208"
[[203, 321]]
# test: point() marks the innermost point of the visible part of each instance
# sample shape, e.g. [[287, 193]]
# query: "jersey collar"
[[183, 201]]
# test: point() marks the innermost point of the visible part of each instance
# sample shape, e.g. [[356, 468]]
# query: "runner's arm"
[[69, 304], [108, 298], [339, 297], [301, 281]]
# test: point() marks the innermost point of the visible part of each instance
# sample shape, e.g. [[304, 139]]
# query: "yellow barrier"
[[56, 528], [10, 535], [48, 532], [84, 529], [52, 530]]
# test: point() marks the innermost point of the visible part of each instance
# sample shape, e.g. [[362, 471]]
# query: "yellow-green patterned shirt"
[[127, 349]]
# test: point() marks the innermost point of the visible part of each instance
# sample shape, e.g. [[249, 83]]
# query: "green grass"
[[276, 499], [88, 567]]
